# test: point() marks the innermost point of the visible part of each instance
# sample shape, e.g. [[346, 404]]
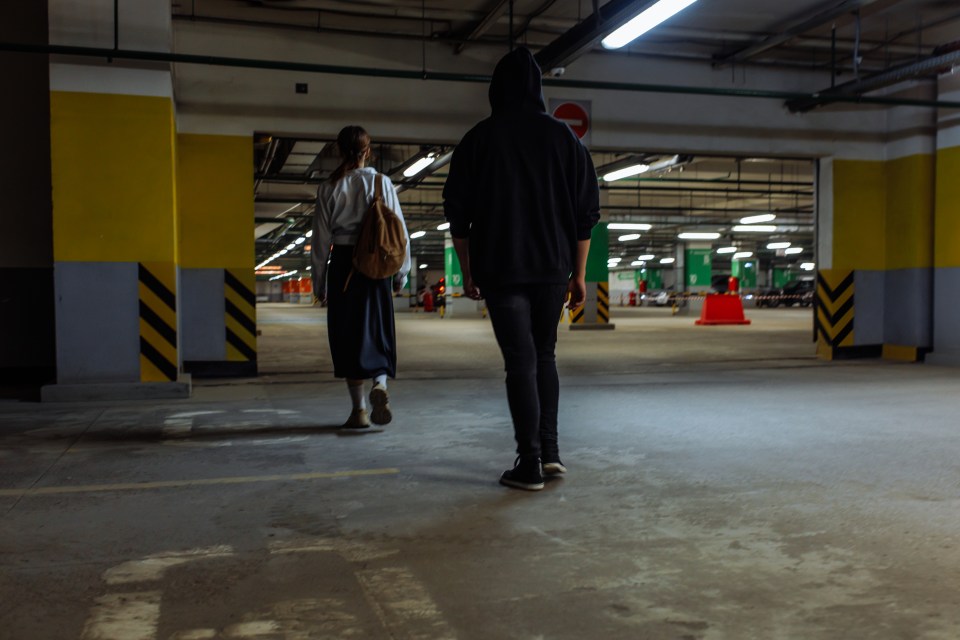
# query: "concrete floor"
[[723, 485]]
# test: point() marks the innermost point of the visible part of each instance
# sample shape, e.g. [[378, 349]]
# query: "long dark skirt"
[[360, 324]]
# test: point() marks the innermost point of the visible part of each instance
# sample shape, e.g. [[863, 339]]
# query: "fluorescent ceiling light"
[[619, 174], [742, 255], [667, 260], [282, 252], [419, 165], [423, 266], [417, 234], [697, 235], [628, 226], [300, 240], [808, 266], [614, 259], [727, 250], [792, 251], [763, 217], [647, 20], [778, 245], [646, 256], [636, 263], [629, 237], [755, 228], [443, 227], [309, 234], [291, 246], [665, 163]]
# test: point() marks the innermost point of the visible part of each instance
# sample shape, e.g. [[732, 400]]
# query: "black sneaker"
[[526, 474], [553, 467]]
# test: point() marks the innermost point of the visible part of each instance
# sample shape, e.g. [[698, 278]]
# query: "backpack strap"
[[377, 195]]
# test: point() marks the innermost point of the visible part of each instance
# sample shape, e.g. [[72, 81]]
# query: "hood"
[[516, 84]]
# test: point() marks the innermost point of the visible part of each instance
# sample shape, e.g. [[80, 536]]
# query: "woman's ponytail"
[[353, 143]]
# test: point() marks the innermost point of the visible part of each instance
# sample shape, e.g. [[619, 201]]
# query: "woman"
[[360, 321]]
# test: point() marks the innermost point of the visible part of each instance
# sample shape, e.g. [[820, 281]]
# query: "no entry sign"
[[575, 116]]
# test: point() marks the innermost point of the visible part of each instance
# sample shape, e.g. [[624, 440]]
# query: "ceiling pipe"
[[584, 36], [823, 17], [934, 65], [282, 65], [488, 21]]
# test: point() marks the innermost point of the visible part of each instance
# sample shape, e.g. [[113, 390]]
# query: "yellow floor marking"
[[179, 484]]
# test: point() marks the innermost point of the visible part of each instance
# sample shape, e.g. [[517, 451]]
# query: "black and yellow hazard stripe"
[[835, 306], [603, 302], [158, 321], [576, 315], [240, 314]]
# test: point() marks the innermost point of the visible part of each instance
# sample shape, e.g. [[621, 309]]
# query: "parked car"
[[794, 292], [662, 298], [720, 283]]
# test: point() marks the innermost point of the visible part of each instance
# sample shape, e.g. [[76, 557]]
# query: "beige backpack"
[[382, 243]]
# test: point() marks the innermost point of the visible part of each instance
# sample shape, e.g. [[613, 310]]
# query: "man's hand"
[[469, 289], [578, 292]]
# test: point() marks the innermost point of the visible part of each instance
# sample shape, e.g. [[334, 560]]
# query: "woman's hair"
[[353, 143]]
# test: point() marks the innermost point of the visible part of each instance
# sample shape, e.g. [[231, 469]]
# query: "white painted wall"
[[144, 24], [239, 101]]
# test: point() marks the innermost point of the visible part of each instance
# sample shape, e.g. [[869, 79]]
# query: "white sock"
[[381, 379], [356, 395]]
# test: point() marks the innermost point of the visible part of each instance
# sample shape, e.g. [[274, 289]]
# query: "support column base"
[[944, 357], [593, 327], [100, 391]]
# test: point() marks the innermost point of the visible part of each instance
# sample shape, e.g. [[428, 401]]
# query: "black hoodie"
[[521, 185]]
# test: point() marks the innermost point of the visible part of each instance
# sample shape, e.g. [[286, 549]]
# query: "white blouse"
[[339, 213]]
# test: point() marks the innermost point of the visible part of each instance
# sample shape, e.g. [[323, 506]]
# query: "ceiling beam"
[[584, 36], [798, 27], [930, 66], [484, 25]]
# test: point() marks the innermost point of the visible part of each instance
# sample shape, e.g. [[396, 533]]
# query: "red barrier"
[[721, 309]]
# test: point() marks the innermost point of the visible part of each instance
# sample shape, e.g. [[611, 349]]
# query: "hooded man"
[[522, 198]]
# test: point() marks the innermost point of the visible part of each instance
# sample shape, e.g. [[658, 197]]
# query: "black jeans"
[[525, 320]]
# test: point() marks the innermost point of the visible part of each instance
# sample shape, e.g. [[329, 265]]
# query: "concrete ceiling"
[[707, 193]]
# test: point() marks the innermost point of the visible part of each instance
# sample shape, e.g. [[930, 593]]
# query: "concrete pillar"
[[874, 293], [27, 334], [595, 311], [946, 261], [698, 266], [216, 238], [115, 242], [456, 304], [746, 272]]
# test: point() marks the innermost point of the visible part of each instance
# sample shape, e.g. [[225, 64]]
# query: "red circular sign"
[[575, 116]]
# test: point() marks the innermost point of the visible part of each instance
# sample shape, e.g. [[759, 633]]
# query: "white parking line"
[[399, 600], [152, 567], [124, 616]]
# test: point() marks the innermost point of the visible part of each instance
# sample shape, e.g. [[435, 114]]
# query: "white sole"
[[553, 468], [380, 403], [521, 485]]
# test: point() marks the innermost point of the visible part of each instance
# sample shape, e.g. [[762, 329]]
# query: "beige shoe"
[[358, 420], [380, 401]]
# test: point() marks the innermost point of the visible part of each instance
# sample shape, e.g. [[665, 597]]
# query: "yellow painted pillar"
[[215, 195], [946, 287], [113, 161], [875, 251]]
